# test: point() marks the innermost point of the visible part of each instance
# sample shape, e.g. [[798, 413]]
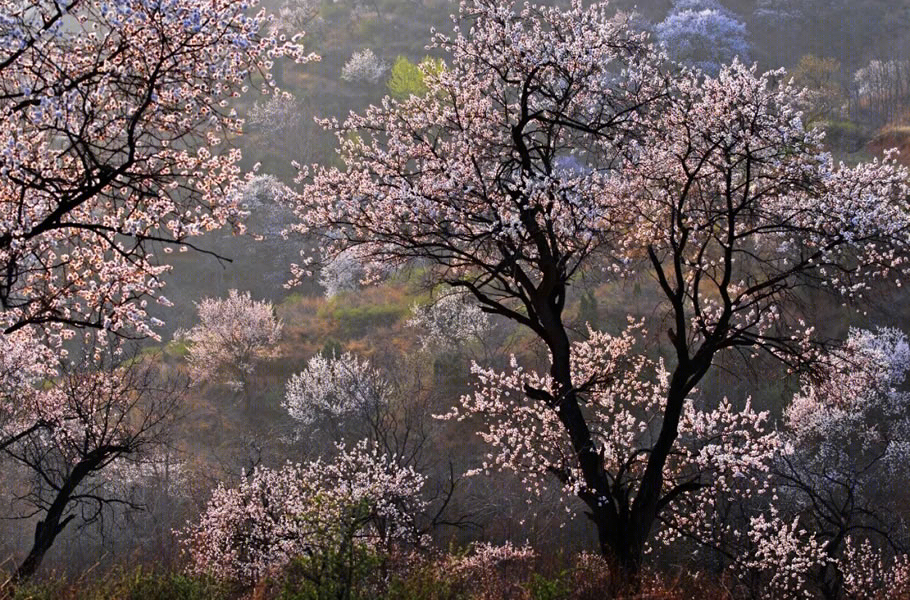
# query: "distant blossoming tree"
[[449, 322], [703, 33], [343, 273], [332, 387], [294, 16], [711, 183], [365, 66], [232, 335], [285, 127]]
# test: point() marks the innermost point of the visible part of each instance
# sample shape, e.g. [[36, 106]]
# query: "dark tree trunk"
[[45, 534], [47, 530]]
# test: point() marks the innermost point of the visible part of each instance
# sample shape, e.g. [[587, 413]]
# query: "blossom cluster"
[[492, 568]]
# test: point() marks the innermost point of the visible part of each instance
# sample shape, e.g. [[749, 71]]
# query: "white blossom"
[[364, 66], [233, 333]]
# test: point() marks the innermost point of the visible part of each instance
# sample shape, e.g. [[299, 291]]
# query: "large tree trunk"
[[620, 538], [45, 534], [54, 522]]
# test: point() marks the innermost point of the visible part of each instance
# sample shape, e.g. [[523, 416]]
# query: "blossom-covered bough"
[[114, 122], [25, 363], [711, 184]]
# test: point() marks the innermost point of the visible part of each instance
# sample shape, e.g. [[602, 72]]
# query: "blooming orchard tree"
[[884, 87], [113, 115], [265, 198], [494, 571], [713, 184], [296, 15], [349, 401], [333, 387], [343, 273], [232, 335], [285, 127], [703, 33], [113, 119], [362, 498], [104, 415], [849, 430], [364, 66], [736, 206], [450, 321]]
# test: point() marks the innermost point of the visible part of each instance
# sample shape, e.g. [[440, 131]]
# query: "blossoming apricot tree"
[[848, 431], [94, 415], [233, 333], [711, 183], [361, 498]]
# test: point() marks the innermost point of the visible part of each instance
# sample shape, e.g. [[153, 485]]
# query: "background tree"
[[295, 16], [364, 66], [331, 388], [713, 184], [822, 78], [703, 33], [286, 127], [848, 428], [232, 335], [406, 78], [883, 89], [449, 323]]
